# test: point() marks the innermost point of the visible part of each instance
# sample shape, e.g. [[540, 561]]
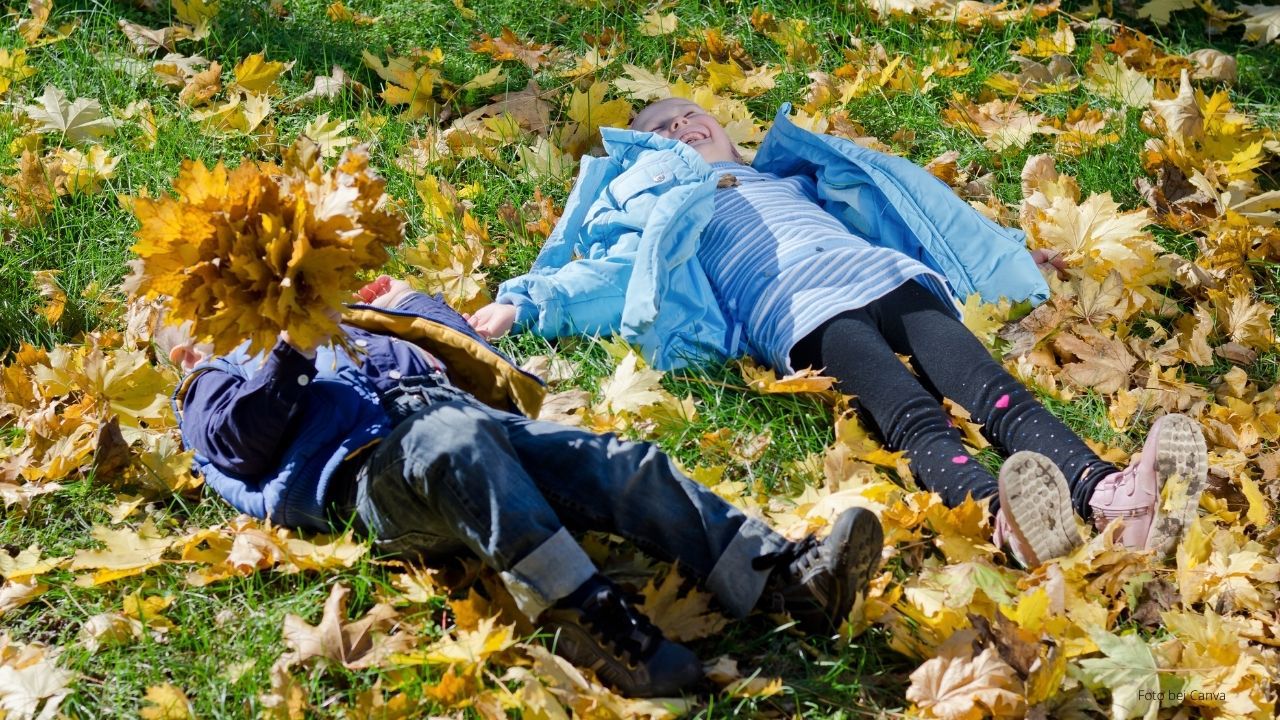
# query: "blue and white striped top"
[[781, 265]]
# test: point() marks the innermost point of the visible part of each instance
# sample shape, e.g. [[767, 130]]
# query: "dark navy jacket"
[[270, 430]]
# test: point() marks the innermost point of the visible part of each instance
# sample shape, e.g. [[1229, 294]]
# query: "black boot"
[[598, 627], [817, 581]]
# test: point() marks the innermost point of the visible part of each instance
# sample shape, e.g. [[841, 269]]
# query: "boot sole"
[[867, 538], [1183, 454], [858, 563], [1037, 503]]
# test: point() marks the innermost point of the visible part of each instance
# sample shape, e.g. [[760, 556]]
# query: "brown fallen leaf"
[[507, 46], [957, 685], [148, 40], [366, 642], [202, 86]]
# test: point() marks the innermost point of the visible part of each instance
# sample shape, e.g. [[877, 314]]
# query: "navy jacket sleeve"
[[240, 424]]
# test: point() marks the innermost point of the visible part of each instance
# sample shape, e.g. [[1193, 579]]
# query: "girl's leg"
[[852, 349], [954, 363]]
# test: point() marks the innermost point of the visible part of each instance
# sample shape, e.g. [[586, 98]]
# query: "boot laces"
[[613, 617]]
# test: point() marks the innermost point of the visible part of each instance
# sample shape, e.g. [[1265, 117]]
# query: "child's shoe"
[[598, 627], [817, 581], [1035, 519], [1174, 447]]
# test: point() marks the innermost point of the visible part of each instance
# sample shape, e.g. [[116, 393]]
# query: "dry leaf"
[[327, 87], [77, 121], [366, 642], [46, 283], [508, 47], [682, 617], [956, 685]]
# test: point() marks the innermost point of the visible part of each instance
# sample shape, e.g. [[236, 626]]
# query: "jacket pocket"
[[653, 175]]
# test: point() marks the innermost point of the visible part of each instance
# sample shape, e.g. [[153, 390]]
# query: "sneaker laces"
[[613, 617], [788, 566]]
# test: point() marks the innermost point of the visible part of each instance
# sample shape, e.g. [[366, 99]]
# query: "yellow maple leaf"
[[1118, 82], [1060, 41], [328, 134], [197, 13], [165, 702], [642, 84], [766, 381], [13, 68], [127, 553], [589, 111], [241, 113], [83, 173], [28, 564], [409, 82], [632, 387], [681, 617], [258, 76], [468, 649]]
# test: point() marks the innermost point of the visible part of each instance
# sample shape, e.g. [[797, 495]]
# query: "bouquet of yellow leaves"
[[249, 252]]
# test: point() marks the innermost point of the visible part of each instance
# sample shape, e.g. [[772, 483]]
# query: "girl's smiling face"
[[686, 121]]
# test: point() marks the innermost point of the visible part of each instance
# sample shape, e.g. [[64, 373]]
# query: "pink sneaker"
[[1035, 519], [1174, 448]]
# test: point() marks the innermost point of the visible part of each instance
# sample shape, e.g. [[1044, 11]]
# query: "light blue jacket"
[[623, 258]]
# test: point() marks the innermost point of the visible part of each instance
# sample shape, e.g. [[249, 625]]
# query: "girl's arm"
[[584, 296]]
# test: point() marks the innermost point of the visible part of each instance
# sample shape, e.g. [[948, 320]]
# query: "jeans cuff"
[[554, 569], [737, 584]]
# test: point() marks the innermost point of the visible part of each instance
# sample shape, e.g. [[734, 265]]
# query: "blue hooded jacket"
[[623, 257]]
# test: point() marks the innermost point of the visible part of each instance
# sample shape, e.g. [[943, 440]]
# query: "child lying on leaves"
[[825, 254], [418, 435]]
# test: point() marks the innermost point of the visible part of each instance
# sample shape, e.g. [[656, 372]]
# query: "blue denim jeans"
[[458, 476]]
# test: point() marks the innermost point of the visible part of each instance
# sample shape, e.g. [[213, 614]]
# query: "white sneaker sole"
[[1182, 454], [1037, 503]]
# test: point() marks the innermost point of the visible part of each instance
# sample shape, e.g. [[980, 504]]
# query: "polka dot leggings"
[[859, 348]]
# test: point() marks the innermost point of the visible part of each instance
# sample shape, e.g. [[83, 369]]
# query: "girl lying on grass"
[[828, 255]]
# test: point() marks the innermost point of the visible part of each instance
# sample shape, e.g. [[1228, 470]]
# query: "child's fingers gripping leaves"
[[1050, 261]]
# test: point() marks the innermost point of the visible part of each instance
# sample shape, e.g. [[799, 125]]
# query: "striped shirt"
[[781, 265]]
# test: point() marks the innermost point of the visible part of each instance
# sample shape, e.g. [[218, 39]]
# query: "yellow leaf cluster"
[[251, 252]]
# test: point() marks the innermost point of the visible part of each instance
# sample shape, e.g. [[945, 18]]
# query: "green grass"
[[239, 620]]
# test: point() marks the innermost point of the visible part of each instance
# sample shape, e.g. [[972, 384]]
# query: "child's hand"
[[385, 292], [493, 320], [1050, 261]]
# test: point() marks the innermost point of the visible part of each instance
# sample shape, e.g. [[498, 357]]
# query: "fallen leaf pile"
[[1166, 305]]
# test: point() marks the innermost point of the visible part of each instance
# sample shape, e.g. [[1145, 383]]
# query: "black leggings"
[[858, 348]]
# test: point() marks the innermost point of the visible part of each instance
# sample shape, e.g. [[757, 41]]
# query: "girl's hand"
[[1050, 261], [493, 320]]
